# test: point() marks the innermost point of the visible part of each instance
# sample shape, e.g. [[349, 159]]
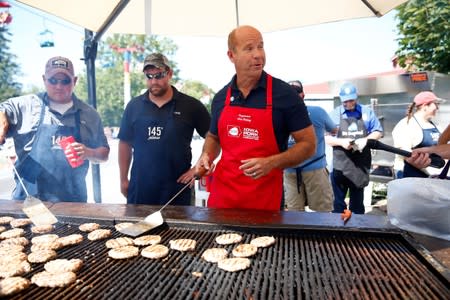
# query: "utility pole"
[[126, 52]]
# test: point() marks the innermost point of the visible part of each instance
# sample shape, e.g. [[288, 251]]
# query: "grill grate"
[[303, 264]]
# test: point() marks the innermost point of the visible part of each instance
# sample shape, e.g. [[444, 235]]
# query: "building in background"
[[389, 94]]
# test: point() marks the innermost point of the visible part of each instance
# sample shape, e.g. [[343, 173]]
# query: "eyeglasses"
[[54, 81], [159, 75]]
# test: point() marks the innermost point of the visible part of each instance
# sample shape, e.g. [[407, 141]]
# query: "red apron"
[[246, 133]]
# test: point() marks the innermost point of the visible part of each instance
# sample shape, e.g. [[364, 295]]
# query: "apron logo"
[[251, 134], [435, 136], [154, 132], [234, 131], [352, 131]]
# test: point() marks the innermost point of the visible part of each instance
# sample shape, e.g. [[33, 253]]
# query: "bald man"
[[252, 118]]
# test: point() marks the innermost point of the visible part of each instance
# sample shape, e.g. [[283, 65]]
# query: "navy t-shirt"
[[188, 110], [289, 112]]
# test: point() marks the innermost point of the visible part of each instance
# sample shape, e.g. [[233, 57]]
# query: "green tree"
[[198, 90], [110, 73], [9, 69], [424, 30]]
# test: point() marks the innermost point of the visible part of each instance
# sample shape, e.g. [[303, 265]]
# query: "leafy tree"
[[424, 29], [110, 74], [198, 90], [9, 69]]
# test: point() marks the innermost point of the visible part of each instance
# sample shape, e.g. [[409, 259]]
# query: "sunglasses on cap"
[[54, 81], [158, 75]]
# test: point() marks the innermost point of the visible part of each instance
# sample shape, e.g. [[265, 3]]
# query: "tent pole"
[[90, 54]]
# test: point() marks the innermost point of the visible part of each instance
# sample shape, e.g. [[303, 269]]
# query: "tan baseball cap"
[[59, 64]]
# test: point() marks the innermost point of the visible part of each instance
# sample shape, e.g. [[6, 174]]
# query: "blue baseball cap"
[[348, 92]]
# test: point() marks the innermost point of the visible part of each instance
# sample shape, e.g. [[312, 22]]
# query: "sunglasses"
[[159, 75], [54, 81]]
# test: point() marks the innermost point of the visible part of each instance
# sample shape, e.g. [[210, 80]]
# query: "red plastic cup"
[[69, 151]]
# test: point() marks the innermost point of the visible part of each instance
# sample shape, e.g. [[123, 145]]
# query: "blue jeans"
[[341, 185]]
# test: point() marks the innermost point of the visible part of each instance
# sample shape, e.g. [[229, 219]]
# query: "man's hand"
[[360, 144], [124, 187], [204, 166], [419, 159], [346, 143], [187, 177], [256, 167]]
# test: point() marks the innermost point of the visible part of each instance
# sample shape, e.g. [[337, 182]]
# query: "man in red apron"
[[252, 118]]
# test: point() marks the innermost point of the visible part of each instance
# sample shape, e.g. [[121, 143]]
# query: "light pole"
[[126, 52]]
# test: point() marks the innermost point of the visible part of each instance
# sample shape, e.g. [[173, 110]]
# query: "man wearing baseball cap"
[[351, 159], [417, 130], [155, 134], [37, 124], [308, 184]]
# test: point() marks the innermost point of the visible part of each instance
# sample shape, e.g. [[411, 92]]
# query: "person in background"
[[155, 138], [38, 123], [252, 118], [416, 130], [351, 159], [308, 184]]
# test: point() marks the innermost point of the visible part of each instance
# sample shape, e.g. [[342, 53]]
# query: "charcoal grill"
[[304, 263]]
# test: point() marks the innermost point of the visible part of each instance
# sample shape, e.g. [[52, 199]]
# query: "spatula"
[[153, 220], [38, 213]]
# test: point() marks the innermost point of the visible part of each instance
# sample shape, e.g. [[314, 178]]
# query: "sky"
[[339, 50]]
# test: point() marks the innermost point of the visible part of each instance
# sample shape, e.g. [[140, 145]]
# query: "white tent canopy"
[[208, 17]]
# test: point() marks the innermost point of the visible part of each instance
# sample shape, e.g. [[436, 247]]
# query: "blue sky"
[[312, 54]]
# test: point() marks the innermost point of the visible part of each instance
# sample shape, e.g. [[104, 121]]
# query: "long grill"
[[303, 264]]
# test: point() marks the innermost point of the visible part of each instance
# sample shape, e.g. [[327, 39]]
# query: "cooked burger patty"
[[119, 242], [20, 222], [63, 265], [146, 240], [12, 285], [123, 252], [183, 244], [263, 241], [71, 239], [41, 256], [234, 264], [12, 233], [42, 229], [228, 238], [89, 227], [99, 234], [214, 254], [155, 251], [245, 250], [47, 279]]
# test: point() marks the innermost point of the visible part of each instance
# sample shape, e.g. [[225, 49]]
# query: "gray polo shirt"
[[24, 113]]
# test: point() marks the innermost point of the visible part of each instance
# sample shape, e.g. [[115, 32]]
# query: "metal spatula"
[[153, 220], [38, 213]]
